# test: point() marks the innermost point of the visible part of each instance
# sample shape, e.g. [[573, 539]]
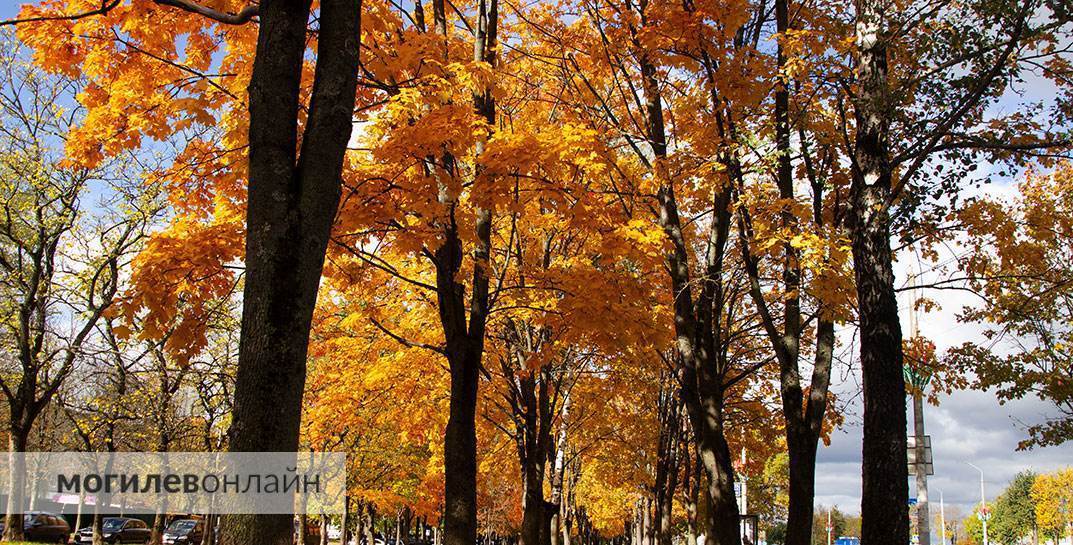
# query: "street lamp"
[[1064, 509], [942, 520], [983, 514]]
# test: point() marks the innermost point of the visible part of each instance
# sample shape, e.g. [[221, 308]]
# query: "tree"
[[1015, 512], [1053, 496], [899, 132], [100, 408], [56, 258], [806, 245], [1016, 264], [819, 525], [973, 527], [293, 188], [641, 43]]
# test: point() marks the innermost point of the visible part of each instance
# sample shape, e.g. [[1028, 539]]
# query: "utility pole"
[[829, 527], [919, 379], [744, 496], [744, 486], [984, 513], [1066, 518], [923, 513]]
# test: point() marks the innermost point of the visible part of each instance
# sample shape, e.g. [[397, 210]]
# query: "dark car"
[[183, 531], [117, 530], [42, 527]]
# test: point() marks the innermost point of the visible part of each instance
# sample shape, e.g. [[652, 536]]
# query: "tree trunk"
[[637, 536], [465, 342], [98, 526], [885, 491], [646, 521], [398, 529], [884, 497], [533, 500], [291, 206], [209, 537], [803, 434], [18, 438], [157, 534], [723, 519], [344, 523], [460, 452], [692, 492], [368, 523], [802, 489]]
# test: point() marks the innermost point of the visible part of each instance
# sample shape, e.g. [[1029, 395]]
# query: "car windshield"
[[111, 525], [181, 526]]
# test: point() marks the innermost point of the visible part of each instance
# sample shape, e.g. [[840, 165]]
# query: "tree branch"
[[239, 18]]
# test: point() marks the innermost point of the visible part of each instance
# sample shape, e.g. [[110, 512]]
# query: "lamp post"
[[983, 514], [829, 527], [942, 520], [1065, 517]]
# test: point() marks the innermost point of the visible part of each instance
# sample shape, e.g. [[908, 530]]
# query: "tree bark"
[[18, 438], [803, 422], [533, 515], [885, 491], [697, 330], [209, 537], [292, 202], [464, 342], [344, 523], [368, 524]]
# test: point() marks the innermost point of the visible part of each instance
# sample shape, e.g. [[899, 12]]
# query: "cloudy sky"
[[968, 426]]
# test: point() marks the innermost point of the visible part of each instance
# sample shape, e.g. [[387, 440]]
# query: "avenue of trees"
[[543, 271]]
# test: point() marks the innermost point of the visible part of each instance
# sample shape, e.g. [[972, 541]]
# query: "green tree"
[[1015, 511], [819, 525], [973, 528], [776, 533]]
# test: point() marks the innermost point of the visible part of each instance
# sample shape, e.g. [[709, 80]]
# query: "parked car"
[[182, 531], [42, 527], [117, 530]]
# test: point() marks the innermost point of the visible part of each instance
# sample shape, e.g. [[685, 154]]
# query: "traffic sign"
[[929, 469], [911, 451], [911, 441], [913, 456]]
